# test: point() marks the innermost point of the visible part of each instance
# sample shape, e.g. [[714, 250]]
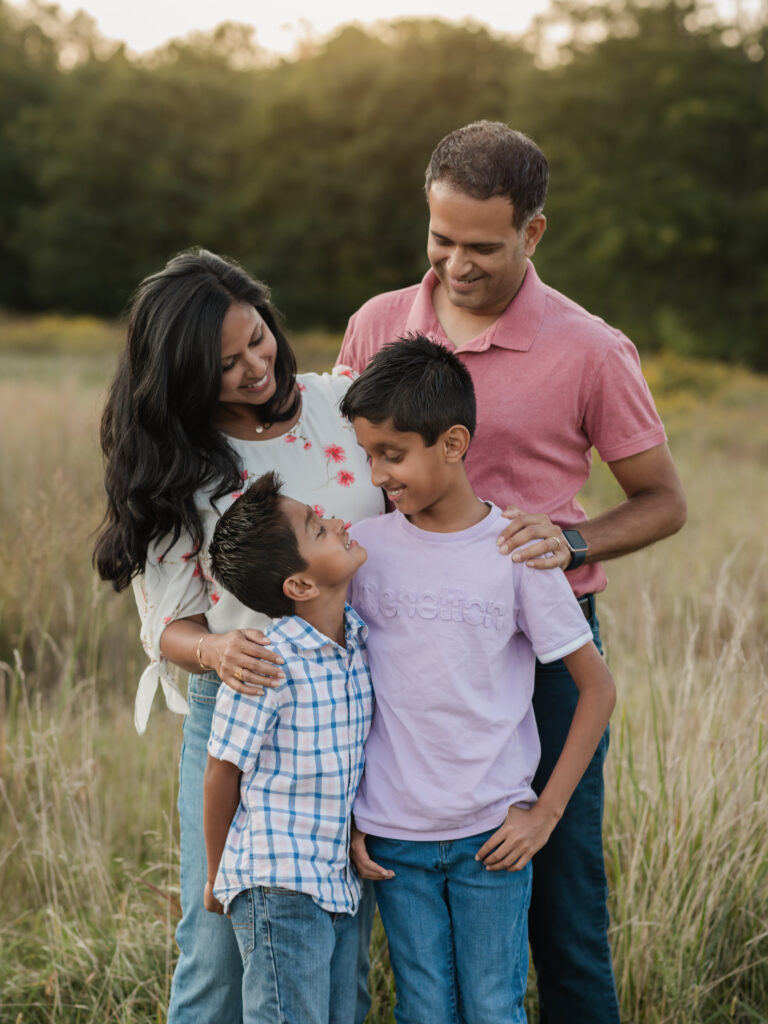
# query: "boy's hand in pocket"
[[364, 866], [522, 834]]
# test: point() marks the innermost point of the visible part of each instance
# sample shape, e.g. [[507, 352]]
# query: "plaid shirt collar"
[[302, 635]]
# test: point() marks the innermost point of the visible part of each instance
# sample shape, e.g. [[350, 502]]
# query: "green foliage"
[[310, 171]]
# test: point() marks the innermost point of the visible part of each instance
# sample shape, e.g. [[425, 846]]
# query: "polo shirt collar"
[[516, 328]]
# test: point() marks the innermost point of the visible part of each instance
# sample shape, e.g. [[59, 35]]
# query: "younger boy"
[[283, 768], [446, 819]]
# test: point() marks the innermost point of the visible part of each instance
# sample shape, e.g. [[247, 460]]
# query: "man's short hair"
[[254, 549], [488, 158], [420, 385]]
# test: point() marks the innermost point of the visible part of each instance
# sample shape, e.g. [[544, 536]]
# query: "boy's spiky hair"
[[254, 549], [421, 386]]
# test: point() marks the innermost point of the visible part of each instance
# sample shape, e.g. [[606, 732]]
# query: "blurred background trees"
[[653, 114]]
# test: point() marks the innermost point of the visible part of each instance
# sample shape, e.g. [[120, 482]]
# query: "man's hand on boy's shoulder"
[[210, 901], [547, 546], [364, 866], [523, 833]]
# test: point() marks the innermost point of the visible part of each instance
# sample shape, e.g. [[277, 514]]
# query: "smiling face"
[[478, 254], [332, 557], [248, 351], [415, 477]]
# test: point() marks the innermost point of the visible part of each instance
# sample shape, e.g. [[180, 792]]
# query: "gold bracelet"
[[205, 668]]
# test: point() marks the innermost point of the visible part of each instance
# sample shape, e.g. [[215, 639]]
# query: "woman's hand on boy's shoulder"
[[364, 866], [244, 661], [523, 833]]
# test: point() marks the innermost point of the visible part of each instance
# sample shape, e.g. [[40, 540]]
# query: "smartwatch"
[[578, 548]]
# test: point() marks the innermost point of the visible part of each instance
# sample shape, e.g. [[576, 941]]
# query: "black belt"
[[587, 605]]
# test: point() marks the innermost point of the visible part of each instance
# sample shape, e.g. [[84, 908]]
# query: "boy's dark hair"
[[421, 386], [254, 549]]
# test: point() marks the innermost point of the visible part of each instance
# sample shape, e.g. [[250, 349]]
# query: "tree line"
[[309, 171]]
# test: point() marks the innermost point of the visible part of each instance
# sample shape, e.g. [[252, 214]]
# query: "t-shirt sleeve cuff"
[[565, 649]]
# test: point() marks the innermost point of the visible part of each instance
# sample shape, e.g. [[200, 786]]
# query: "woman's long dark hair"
[[156, 434]]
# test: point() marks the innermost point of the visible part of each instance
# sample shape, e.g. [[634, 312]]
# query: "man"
[[551, 382]]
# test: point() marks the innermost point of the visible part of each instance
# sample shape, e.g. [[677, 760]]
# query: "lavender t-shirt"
[[454, 631]]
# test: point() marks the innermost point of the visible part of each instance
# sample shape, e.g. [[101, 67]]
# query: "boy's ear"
[[300, 588], [455, 442]]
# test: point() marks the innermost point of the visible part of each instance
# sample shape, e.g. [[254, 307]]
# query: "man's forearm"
[[654, 507], [633, 524]]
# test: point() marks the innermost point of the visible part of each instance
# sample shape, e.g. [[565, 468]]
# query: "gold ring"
[[239, 675], [557, 541]]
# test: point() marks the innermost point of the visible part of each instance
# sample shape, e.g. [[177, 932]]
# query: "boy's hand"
[[364, 866], [522, 834], [550, 552], [210, 901]]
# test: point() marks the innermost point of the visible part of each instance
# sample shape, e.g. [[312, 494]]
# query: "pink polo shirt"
[[551, 381]]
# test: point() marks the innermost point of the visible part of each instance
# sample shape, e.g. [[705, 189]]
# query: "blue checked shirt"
[[300, 749]]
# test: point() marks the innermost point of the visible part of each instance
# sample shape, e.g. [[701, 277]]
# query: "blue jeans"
[[299, 961], [207, 983], [568, 919], [457, 933]]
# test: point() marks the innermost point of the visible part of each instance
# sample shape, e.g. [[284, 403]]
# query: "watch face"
[[574, 540]]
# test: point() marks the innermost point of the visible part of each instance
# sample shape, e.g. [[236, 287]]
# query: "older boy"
[[446, 799], [283, 768]]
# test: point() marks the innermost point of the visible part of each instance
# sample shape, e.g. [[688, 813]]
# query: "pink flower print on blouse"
[[244, 475], [296, 435], [335, 453], [214, 597], [236, 495], [302, 387], [345, 371], [345, 478], [319, 511]]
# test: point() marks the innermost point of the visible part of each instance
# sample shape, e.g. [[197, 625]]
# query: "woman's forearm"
[[182, 639], [240, 656]]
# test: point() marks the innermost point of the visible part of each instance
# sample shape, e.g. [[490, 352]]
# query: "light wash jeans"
[[458, 933], [207, 982], [299, 961]]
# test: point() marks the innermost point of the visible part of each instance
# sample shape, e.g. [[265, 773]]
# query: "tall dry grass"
[[88, 852]]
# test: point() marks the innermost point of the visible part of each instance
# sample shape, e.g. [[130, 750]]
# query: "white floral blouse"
[[319, 462]]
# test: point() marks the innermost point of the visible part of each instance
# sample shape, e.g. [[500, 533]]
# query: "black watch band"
[[578, 548]]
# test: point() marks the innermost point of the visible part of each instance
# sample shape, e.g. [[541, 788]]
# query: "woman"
[[205, 398]]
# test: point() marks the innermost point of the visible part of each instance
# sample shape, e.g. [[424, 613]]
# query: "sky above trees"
[[146, 24]]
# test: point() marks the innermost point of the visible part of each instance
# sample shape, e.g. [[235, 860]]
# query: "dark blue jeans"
[[568, 918]]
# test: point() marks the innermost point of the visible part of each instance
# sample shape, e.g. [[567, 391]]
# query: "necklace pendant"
[[259, 429]]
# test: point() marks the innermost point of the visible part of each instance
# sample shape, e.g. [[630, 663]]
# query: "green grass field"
[[88, 848]]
